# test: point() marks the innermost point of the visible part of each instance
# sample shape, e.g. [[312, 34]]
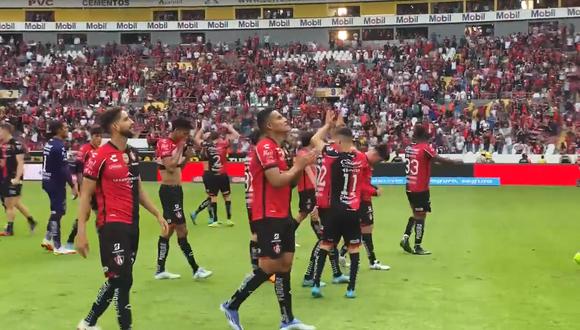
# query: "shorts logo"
[[119, 259], [276, 236], [116, 247], [178, 215]]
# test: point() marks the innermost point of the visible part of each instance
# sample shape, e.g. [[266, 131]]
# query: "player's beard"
[[127, 133]]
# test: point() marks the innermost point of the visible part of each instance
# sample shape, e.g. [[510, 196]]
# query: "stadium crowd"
[[510, 94]]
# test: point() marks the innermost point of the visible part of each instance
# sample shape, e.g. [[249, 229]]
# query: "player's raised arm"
[[317, 140], [442, 160], [88, 189], [171, 161], [278, 178], [198, 137], [148, 205], [232, 133]]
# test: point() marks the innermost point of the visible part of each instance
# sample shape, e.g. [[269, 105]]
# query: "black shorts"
[[10, 190], [337, 224], [118, 244], [307, 201], [366, 214], [275, 236], [172, 203], [214, 183], [420, 201]]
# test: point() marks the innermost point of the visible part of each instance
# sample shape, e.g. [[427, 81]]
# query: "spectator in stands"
[[524, 159]]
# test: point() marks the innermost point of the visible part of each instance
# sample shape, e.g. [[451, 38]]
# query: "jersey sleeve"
[[267, 155], [94, 165], [18, 148], [329, 150], [164, 148], [430, 152]]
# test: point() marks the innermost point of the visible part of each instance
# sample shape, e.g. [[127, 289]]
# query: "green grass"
[[502, 260]]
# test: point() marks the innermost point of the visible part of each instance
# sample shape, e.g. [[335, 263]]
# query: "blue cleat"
[[310, 283], [232, 316], [350, 294], [296, 324], [342, 279], [193, 215], [315, 291]]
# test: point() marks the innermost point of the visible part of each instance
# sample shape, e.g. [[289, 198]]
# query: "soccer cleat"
[[193, 215], [62, 251], [70, 246], [419, 251], [229, 223], [378, 266], [214, 224], [342, 279], [233, 317], [47, 245], [406, 245], [310, 283], [83, 325], [296, 324], [201, 273], [6, 233], [350, 294], [166, 276], [342, 261], [315, 292]]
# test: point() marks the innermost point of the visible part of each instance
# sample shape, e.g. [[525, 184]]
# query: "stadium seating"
[[492, 93]]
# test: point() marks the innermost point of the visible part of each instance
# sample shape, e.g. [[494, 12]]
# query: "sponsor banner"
[[33, 172], [440, 181], [151, 3], [327, 22], [9, 93]]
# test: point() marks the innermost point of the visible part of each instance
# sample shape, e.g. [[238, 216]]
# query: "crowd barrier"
[[394, 174]]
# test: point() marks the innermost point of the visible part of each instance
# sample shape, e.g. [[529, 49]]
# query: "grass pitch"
[[502, 260]]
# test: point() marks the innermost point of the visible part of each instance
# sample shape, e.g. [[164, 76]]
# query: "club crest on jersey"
[[119, 259]]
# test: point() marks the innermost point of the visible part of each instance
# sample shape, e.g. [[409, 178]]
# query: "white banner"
[[151, 3], [338, 22], [33, 172]]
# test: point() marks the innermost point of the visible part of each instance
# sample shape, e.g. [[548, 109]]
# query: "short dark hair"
[[305, 138], [181, 123], [214, 135], [344, 132], [108, 117], [262, 119], [383, 151], [96, 130], [54, 126], [420, 133], [7, 126], [254, 136]]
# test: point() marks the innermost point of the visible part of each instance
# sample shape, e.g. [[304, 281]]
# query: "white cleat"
[[378, 266], [202, 273], [47, 245], [83, 325], [296, 325], [166, 276], [63, 251]]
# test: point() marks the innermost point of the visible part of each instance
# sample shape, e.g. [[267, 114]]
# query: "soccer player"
[[11, 183], [83, 156], [55, 175], [271, 221], [307, 204], [338, 199], [172, 154], [215, 177], [112, 173], [254, 248], [418, 159]]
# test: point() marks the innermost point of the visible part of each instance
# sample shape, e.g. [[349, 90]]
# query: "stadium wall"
[[394, 174]]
